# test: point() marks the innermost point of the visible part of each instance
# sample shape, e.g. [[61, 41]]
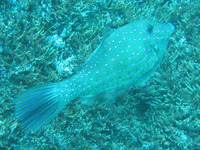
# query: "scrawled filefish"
[[126, 56]]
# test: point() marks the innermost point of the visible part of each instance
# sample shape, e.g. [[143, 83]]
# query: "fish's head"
[[156, 36]]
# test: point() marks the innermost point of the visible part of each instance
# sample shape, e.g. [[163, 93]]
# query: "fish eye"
[[149, 28]]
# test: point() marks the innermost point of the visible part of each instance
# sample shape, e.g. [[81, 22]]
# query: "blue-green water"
[[46, 41]]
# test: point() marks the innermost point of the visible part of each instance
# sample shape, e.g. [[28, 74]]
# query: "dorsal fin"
[[106, 33]]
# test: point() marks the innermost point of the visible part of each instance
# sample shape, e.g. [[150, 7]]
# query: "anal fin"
[[108, 97]]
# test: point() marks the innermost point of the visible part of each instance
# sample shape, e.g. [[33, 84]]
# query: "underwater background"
[[44, 41]]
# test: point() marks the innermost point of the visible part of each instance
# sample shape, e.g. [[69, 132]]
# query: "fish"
[[127, 56]]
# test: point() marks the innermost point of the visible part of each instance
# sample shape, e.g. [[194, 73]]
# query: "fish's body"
[[127, 56]]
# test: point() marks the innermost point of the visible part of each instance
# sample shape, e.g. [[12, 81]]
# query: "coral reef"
[[45, 41]]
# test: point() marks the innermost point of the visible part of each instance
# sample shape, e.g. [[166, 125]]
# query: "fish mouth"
[[170, 28]]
